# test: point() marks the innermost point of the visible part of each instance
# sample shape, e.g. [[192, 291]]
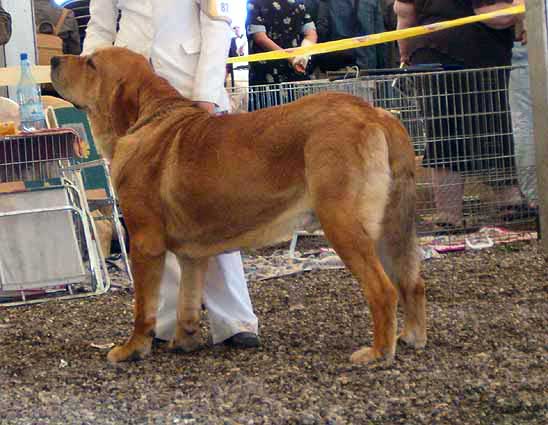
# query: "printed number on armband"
[[223, 7], [217, 9]]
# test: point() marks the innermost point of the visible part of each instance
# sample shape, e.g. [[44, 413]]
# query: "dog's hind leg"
[[147, 263], [349, 189], [189, 304], [399, 252]]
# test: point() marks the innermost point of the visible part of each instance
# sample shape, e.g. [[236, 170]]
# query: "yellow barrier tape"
[[370, 40]]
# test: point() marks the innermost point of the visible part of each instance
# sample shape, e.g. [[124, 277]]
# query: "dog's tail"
[[398, 246], [398, 242]]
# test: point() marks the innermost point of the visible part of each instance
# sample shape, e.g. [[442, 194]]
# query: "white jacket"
[[190, 47], [136, 30]]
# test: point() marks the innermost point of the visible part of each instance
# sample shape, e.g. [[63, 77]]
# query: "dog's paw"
[[368, 355], [128, 352], [186, 343], [411, 339]]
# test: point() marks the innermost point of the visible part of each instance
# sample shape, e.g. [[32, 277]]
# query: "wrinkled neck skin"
[[112, 120], [103, 136]]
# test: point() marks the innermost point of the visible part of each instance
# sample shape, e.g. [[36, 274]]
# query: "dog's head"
[[105, 84]]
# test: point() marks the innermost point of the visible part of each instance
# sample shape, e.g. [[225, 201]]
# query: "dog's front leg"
[[189, 304], [147, 270]]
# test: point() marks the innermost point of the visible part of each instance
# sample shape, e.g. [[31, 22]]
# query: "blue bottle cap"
[[24, 56]]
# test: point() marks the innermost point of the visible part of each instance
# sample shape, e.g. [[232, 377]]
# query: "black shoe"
[[157, 342], [243, 340]]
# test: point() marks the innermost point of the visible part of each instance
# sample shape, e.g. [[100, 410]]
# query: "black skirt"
[[467, 117]]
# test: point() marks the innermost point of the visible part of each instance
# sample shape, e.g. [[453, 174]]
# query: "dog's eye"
[[89, 62]]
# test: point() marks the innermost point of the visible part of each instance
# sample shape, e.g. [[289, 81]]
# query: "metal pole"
[[3, 90], [537, 36]]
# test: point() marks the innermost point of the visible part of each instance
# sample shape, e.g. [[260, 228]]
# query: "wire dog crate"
[[48, 239], [460, 125]]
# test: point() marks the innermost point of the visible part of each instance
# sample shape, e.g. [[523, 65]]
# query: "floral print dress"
[[284, 22]]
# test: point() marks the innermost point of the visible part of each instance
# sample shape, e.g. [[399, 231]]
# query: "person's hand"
[[290, 60], [299, 63], [206, 106], [404, 52], [520, 31], [521, 36]]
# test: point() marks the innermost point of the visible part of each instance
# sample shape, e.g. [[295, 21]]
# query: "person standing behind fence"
[[275, 25], [236, 49], [391, 52], [188, 47], [240, 42], [467, 120], [338, 19]]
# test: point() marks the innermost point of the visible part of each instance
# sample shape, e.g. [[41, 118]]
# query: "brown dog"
[[199, 185]]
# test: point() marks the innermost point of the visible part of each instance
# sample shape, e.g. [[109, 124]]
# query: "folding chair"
[[48, 241]]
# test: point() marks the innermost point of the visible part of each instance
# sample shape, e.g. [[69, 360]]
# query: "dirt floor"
[[485, 362]]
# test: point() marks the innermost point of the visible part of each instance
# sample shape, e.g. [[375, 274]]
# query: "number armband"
[[217, 9]]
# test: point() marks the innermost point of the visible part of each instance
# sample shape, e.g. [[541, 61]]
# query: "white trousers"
[[226, 298]]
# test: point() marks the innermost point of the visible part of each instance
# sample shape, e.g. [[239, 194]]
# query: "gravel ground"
[[485, 362]]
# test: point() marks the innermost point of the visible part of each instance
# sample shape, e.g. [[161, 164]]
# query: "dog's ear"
[[124, 107]]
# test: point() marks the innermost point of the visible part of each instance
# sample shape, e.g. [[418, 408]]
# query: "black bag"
[[5, 26]]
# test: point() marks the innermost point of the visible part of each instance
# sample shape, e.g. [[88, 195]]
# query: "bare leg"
[[448, 194]]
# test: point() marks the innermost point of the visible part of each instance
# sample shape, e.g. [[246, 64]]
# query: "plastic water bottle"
[[31, 111]]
